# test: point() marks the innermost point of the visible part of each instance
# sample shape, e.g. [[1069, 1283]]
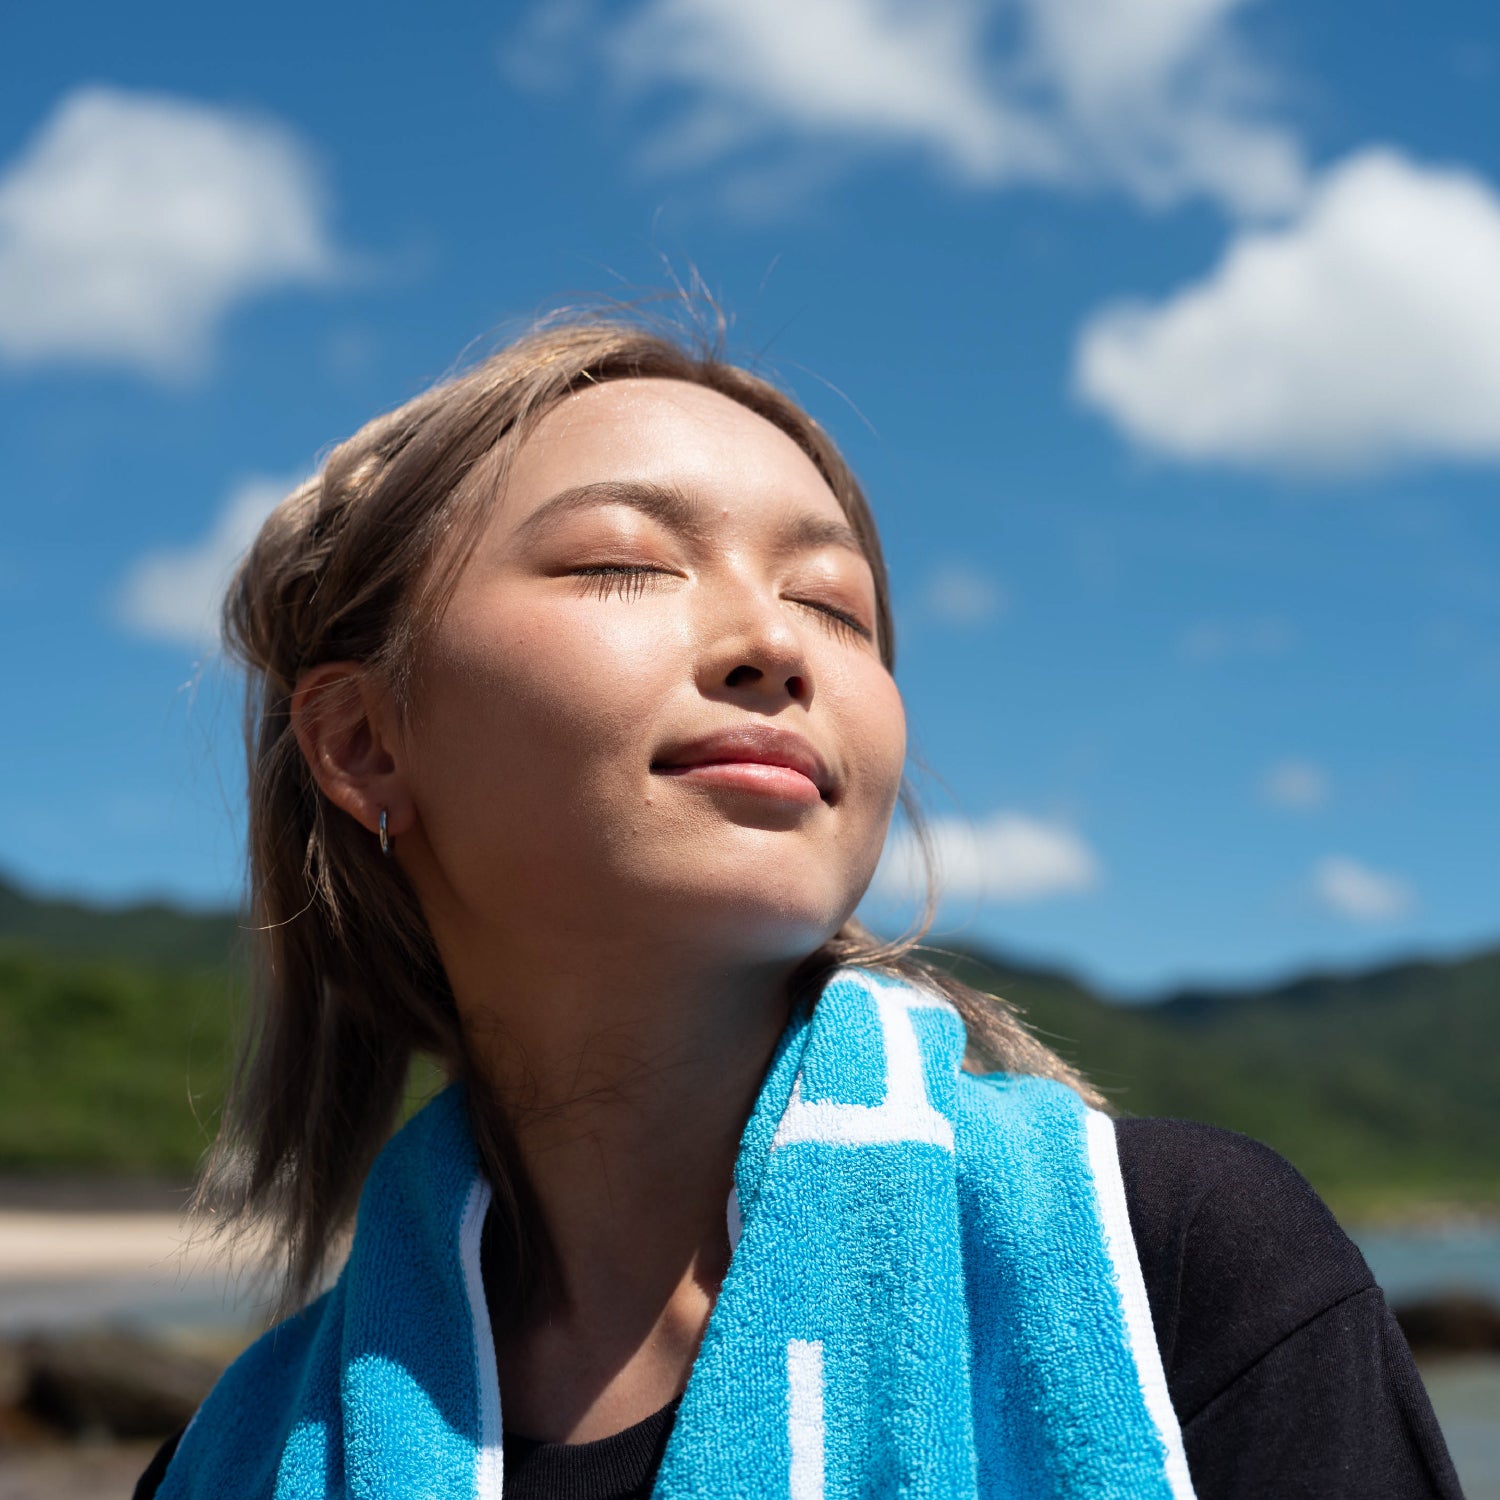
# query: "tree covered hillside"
[[1383, 1086]]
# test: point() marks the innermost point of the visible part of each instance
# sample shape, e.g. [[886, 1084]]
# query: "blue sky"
[[1166, 339]]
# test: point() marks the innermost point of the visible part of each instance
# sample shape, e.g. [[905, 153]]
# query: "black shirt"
[[1288, 1374]]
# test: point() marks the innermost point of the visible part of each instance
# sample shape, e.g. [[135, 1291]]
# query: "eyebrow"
[[676, 510]]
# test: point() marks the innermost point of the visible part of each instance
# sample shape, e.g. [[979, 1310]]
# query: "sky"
[[1163, 334]]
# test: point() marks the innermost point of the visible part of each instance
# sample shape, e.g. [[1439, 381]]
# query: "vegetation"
[[1383, 1087], [151, 933], [109, 1065]]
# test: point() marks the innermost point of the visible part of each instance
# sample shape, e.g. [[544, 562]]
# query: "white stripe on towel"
[[489, 1468], [1109, 1186], [804, 1416], [906, 1114], [732, 1220]]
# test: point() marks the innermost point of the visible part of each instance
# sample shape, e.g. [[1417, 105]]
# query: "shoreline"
[[89, 1194]]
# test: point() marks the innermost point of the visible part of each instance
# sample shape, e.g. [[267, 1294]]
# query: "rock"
[[1450, 1323], [13, 1376], [113, 1381]]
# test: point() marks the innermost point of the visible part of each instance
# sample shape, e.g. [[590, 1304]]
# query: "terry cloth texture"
[[935, 1293], [1285, 1367]]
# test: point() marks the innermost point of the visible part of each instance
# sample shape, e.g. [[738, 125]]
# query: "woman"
[[574, 744]]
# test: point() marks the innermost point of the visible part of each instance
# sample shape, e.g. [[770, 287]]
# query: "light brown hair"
[[347, 984]]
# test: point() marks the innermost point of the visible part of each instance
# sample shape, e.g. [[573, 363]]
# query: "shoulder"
[[1232, 1200], [1235, 1199], [156, 1471], [1236, 1249], [1285, 1367], [242, 1425]]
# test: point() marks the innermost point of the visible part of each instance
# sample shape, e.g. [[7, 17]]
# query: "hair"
[[347, 985]]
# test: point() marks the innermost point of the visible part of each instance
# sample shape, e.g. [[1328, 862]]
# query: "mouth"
[[754, 758]]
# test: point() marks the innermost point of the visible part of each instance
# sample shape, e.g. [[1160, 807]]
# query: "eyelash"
[[631, 581], [627, 582], [841, 623]]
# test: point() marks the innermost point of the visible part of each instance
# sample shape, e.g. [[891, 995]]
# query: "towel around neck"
[[934, 1293]]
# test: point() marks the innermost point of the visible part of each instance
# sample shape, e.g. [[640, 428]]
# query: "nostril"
[[741, 675], [797, 687]]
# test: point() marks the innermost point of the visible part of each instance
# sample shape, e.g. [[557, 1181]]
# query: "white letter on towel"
[[907, 1113], [804, 1416]]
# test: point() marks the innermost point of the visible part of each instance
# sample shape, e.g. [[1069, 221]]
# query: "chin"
[[749, 896], [770, 921]]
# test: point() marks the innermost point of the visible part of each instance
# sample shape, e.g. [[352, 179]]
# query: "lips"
[[750, 745]]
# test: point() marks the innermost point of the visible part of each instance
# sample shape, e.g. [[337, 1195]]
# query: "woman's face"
[[655, 706]]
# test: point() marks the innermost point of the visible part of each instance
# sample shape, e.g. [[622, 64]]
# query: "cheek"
[[894, 736], [527, 708], [876, 741]]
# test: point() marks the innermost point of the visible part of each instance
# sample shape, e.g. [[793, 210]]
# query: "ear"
[[346, 727]]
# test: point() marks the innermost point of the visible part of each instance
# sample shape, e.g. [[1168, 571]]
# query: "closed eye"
[[626, 580], [841, 620], [631, 580]]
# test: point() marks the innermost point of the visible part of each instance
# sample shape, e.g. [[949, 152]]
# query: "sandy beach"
[[62, 1269], [40, 1245]]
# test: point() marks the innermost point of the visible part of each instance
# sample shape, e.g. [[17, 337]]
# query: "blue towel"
[[933, 1293]]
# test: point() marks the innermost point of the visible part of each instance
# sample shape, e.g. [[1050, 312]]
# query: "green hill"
[[150, 932], [1382, 1086], [108, 1065], [115, 1034]]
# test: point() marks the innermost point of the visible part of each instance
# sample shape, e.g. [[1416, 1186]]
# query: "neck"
[[626, 1080], [624, 1061]]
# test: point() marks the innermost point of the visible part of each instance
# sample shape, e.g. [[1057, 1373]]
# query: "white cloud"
[[132, 223], [1161, 97], [1152, 96], [962, 596], [1007, 857], [1295, 784], [886, 72], [1362, 334], [1353, 890], [173, 594]]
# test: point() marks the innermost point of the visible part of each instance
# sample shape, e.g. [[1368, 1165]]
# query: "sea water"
[[1465, 1389]]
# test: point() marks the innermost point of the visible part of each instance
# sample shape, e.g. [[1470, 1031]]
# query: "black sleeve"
[[149, 1482], [1286, 1369]]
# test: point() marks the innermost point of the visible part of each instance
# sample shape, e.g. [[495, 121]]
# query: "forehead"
[[665, 431]]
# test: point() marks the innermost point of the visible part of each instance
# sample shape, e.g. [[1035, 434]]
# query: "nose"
[[747, 675], [757, 652]]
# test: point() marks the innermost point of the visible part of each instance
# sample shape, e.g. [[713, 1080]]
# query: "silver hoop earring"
[[385, 838]]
